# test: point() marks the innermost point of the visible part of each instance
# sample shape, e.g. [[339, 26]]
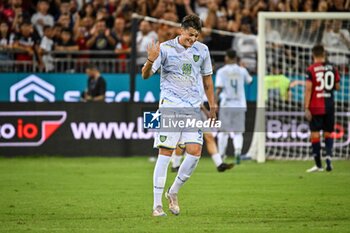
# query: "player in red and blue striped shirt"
[[322, 78]]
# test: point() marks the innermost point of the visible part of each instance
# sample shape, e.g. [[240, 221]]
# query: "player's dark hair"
[[191, 21], [231, 54], [318, 50]]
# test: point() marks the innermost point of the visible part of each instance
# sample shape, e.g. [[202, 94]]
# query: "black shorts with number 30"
[[323, 122]]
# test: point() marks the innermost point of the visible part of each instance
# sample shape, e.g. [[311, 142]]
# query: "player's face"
[[189, 36]]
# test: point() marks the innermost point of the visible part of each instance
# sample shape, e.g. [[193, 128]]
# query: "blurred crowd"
[[35, 28]]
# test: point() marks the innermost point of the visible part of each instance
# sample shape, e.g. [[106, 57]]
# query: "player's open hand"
[[153, 51], [308, 115]]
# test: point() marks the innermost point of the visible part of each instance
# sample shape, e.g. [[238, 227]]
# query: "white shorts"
[[170, 140], [232, 120], [181, 137]]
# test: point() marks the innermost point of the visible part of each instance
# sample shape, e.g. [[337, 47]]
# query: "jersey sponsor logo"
[[32, 88], [186, 69], [28, 128]]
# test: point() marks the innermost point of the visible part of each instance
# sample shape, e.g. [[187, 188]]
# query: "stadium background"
[[59, 70], [98, 194]]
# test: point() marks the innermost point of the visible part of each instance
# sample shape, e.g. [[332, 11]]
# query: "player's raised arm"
[[209, 91], [153, 50]]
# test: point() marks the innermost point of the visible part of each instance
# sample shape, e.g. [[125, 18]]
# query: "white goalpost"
[[285, 41]]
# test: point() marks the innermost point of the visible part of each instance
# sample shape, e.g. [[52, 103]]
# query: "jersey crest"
[[195, 57]]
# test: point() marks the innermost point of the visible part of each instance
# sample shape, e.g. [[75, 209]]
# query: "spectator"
[[45, 49], [25, 43], [308, 6], [111, 6], [65, 17], [274, 49], [65, 20], [15, 14], [96, 86], [165, 31], [82, 30], [336, 37], [339, 5], [233, 15], [6, 39], [141, 7], [225, 40], [118, 29], [201, 9], [144, 37], [42, 18], [102, 13], [122, 50], [245, 45], [163, 7], [183, 8], [57, 30], [14, 9], [101, 38], [98, 4], [66, 44], [88, 11]]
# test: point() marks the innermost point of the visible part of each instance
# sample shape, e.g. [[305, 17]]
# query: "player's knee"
[[315, 136], [194, 149], [180, 150], [328, 134], [165, 151], [208, 137]]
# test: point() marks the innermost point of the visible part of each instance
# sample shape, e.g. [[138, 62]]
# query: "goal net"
[[285, 44]]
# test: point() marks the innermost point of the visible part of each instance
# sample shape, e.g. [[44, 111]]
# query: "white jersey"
[[181, 70], [204, 96], [231, 79]]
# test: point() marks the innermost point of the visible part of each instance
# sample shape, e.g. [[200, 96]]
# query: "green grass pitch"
[[115, 195]]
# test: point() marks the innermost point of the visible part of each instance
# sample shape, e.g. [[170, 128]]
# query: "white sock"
[[222, 142], [217, 159], [159, 178], [185, 171], [176, 160], [238, 143]]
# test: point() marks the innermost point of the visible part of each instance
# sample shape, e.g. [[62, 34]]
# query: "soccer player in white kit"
[[182, 61], [229, 85]]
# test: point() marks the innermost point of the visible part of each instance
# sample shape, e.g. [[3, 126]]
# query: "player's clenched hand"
[[153, 51], [308, 115]]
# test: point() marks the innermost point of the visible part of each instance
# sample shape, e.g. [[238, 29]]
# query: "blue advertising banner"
[[26, 87]]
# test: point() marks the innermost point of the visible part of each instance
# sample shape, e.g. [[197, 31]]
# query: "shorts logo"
[[195, 58], [162, 138], [151, 120], [32, 88], [28, 128]]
